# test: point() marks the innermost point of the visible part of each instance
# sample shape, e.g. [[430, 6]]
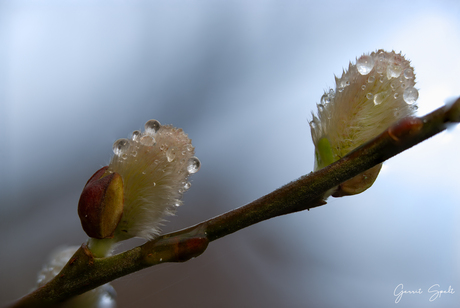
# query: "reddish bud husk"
[[101, 204]]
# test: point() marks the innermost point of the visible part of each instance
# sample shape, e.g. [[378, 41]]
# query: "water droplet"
[[154, 184], [183, 152], [414, 107], [152, 127], [136, 136], [371, 79], [365, 64], [313, 125], [162, 147], [171, 154], [143, 172], [380, 97], [147, 140], [193, 165], [369, 95], [396, 95], [320, 107], [189, 147], [382, 79], [410, 95], [134, 153], [124, 156], [177, 203], [325, 99], [156, 161], [341, 84], [393, 85], [120, 146], [363, 87], [187, 185], [403, 85], [394, 70], [379, 69], [408, 73]]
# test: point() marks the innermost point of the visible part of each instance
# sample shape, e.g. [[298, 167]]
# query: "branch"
[[84, 272]]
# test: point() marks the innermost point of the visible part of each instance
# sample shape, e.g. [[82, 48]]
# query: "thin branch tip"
[[453, 111]]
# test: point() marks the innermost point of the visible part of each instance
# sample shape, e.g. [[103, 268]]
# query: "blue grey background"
[[240, 77]]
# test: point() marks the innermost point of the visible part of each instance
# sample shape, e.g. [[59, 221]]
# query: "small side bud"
[[101, 204], [359, 183]]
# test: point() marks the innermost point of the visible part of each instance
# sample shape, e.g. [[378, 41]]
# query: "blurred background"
[[240, 77]]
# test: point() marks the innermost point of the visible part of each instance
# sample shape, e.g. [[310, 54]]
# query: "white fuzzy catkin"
[[154, 166], [373, 94]]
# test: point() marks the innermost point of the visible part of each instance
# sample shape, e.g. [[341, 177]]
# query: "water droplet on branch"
[[120, 146], [380, 97], [171, 154], [365, 64], [147, 140], [136, 135], [408, 73], [152, 127], [193, 165], [410, 95]]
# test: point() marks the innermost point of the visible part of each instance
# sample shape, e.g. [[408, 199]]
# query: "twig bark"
[[83, 272]]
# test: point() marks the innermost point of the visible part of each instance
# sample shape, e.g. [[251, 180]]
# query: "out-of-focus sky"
[[240, 77]]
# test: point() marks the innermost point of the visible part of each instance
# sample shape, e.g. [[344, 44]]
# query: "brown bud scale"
[[101, 204]]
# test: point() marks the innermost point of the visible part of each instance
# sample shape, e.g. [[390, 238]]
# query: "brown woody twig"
[[83, 272]]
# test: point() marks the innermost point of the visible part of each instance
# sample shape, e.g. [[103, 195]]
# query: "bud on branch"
[[374, 93]]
